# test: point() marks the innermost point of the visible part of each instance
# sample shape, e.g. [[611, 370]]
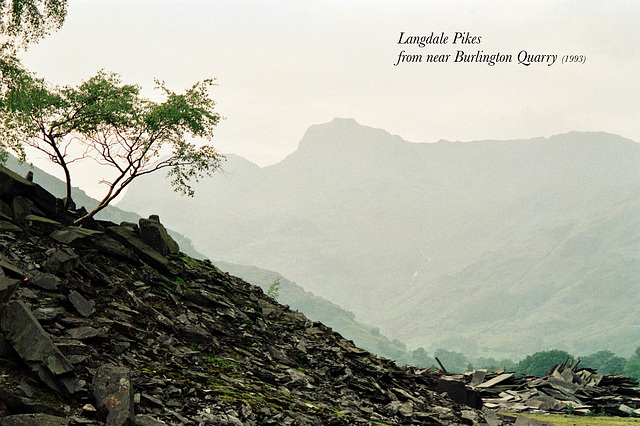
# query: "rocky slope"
[[112, 324], [319, 309]]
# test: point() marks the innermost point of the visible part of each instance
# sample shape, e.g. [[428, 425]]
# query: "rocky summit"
[[112, 324]]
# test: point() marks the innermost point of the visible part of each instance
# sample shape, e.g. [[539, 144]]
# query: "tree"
[[632, 369], [27, 21], [23, 22], [452, 361], [605, 362], [541, 362], [420, 358], [110, 123], [54, 119], [274, 289]]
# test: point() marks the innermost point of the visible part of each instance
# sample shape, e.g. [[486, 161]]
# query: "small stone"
[[82, 305], [89, 409], [82, 333], [45, 281], [146, 420]]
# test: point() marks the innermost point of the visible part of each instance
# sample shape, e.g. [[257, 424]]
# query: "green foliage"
[[454, 362], [632, 368], [108, 122], [27, 21], [274, 289], [492, 364], [420, 358], [540, 362], [605, 362]]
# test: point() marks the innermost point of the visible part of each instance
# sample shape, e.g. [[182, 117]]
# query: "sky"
[[282, 66]]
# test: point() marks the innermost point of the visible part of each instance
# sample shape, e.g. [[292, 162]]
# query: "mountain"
[[491, 248], [58, 188]]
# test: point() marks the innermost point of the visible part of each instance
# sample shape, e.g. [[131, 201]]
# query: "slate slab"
[[113, 393], [7, 287], [25, 334], [83, 306]]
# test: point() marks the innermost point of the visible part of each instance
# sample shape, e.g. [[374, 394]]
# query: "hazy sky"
[[282, 66]]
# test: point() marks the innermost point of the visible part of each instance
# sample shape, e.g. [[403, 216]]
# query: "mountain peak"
[[344, 135]]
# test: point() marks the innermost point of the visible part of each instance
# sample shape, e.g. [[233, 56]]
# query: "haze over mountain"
[[486, 247]]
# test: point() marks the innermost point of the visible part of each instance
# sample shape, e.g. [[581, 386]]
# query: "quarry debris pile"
[[112, 324], [564, 389]]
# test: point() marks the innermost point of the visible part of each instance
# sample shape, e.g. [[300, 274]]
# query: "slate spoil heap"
[[564, 388], [112, 324]]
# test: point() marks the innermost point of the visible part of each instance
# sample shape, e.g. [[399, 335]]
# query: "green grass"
[[568, 420]]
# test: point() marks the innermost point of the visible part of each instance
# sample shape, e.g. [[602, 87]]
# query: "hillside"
[[319, 309], [111, 324], [491, 248]]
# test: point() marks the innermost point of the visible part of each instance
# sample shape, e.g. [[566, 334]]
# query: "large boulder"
[[154, 234], [113, 392], [125, 235]]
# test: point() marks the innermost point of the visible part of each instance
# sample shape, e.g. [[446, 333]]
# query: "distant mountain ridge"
[[497, 248]]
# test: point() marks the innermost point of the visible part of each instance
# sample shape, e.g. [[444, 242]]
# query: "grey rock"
[[12, 270], [33, 419], [6, 212], [113, 393], [62, 261], [82, 333], [12, 184], [154, 234], [45, 281], [458, 392], [22, 207], [42, 224], [9, 227], [34, 345], [83, 306], [7, 287], [44, 314], [146, 420], [73, 235], [148, 255]]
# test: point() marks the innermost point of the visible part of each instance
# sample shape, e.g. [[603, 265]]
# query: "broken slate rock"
[[129, 238], [33, 419], [458, 392], [22, 207], [45, 281], [113, 393], [9, 227], [73, 235], [62, 261], [154, 234], [7, 287], [82, 305], [13, 184], [34, 345], [82, 333]]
